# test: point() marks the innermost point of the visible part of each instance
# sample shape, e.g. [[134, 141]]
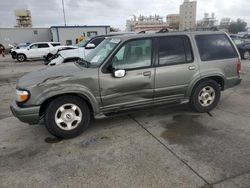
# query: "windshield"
[[83, 42], [99, 54]]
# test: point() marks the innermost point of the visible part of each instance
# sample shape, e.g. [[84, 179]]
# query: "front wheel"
[[21, 57], [205, 96], [67, 117]]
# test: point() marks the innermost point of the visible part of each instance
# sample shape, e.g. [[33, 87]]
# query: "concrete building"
[[62, 34], [225, 24], [23, 18], [188, 15], [173, 21], [208, 22], [146, 23], [69, 34]]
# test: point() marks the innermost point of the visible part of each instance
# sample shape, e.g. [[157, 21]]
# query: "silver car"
[[128, 72]]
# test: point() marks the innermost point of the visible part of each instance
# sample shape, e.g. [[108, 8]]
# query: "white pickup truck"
[[35, 51]]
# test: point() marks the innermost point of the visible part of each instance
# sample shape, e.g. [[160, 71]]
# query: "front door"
[[136, 87], [176, 68]]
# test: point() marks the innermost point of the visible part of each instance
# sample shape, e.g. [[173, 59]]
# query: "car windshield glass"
[[99, 54], [83, 42]]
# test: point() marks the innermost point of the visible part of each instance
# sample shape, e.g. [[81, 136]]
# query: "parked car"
[[84, 47], [18, 46], [34, 51], [243, 47], [128, 72], [54, 53]]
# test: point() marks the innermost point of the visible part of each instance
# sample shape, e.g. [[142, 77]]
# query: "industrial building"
[[188, 15], [173, 21], [69, 34], [209, 22], [23, 18], [63, 34], [145, 23]]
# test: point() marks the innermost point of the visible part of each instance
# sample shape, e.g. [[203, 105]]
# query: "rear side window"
[[43, 45], [55, 44], [215, 47], [174, 50]]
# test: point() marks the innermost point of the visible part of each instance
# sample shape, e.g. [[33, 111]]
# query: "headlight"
[[22, 95]]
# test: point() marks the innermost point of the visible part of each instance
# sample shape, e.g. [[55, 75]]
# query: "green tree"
[[113, 29], [238, 26]]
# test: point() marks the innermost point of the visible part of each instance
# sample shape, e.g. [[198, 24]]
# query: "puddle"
[[52, 140], [183, 129], [88, 142]]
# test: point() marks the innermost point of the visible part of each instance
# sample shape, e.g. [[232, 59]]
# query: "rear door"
[[136, 87], [176, 67], [43, 49]]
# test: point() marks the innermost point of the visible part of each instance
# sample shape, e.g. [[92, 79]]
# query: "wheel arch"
[[46, 102], [217, 78]]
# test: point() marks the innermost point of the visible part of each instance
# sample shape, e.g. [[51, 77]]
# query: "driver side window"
[[34, 46], [134, 54]]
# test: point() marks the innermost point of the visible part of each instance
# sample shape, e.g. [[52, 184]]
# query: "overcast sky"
[[112, 12]]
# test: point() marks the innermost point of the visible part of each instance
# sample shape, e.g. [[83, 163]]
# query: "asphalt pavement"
[[157, 147]]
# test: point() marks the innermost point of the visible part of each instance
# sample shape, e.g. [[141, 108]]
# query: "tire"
[[21, 57], [246, 54], [67, 117], [205, 96]]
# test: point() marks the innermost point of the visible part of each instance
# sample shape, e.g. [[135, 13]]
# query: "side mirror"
[[90, 46], [28, 48], [119, 73]]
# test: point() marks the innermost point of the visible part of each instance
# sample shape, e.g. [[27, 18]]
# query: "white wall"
[[18, 35], [61, 34]]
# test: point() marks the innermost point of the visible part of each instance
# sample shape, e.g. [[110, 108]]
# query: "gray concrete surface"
[[159, 147]]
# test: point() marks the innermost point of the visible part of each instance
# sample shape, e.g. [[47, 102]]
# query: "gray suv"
[[128, 72]]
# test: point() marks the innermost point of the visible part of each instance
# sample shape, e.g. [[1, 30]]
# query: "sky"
[[46, 13]]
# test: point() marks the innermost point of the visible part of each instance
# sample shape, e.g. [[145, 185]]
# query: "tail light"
[[238, 66]]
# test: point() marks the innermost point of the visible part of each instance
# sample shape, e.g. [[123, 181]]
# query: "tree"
[[113, 29], [238, 26]]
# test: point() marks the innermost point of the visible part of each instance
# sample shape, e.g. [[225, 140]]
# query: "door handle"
[[191, 67], [148, 73]]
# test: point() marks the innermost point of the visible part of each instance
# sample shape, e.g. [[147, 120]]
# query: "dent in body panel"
[[54, 86], [133, 88]]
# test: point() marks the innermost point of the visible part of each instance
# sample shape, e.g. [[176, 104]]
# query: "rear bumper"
[[232, 82], [28, 115]]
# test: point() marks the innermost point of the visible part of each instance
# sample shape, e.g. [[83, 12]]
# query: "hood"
[[20, 50], [79, 52], [41, 75]]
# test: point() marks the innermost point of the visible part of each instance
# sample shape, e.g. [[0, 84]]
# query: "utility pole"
[[64, 17]]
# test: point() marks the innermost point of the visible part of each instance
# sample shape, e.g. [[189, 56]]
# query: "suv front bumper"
[[28, 115]]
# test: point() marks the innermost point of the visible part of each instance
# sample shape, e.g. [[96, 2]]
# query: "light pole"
[[64, 17]]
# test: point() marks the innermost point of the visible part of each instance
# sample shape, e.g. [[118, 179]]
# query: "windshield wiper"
[[84, 62]]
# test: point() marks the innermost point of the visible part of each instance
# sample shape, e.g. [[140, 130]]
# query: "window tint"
[[134, 54], [97, 41], [215, 47], [174, 50], [43, 45], [55, 44]]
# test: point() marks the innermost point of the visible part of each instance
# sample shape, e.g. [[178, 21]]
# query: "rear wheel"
[[21, 57], [67, 117], [205, 96]]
